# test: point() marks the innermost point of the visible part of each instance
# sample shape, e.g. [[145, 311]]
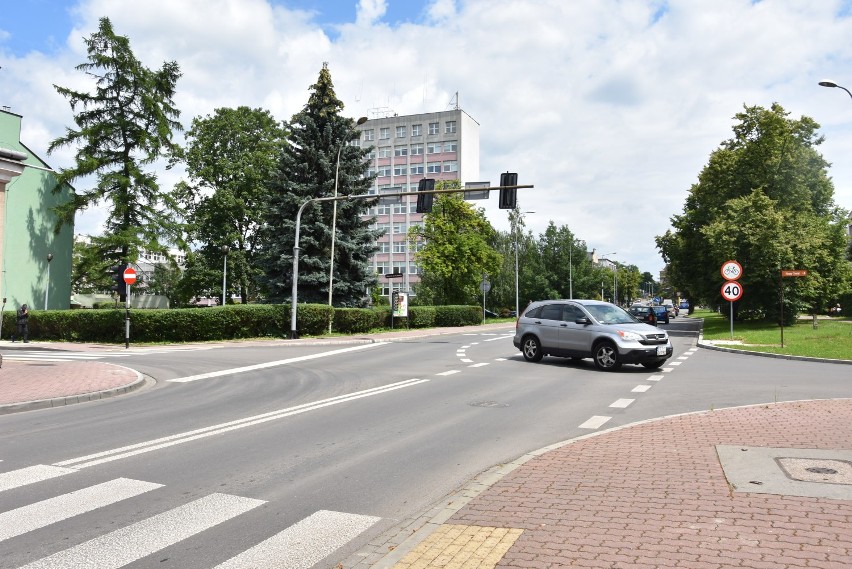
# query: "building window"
[[384, 247], [400, 151], [371, 154], [433, 168], [400, 132], [400, 207], [371, 172], [400, 170], [399, 228], [416, 129], [384, 171], [399, 246], [451, 146], [416, 169], [433, 128], [451, 166], [416, 149], [382, 267], [450, 127], [413, 269], [384, 151], [383, 209], [434, 148], [369, 134], [383, 227], [384, 133]]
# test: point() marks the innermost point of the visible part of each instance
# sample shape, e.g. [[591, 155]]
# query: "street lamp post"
[[515, 235], [47, 285], [833, 84], [225, 250], [360, 121], [614, 279]]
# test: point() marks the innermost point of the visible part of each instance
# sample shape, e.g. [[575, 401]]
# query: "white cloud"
[[609, 108]]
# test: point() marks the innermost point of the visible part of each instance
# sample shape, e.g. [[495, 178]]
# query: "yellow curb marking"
[[461, 547]]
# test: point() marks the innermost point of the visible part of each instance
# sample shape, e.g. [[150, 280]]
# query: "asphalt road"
[[357, 438]]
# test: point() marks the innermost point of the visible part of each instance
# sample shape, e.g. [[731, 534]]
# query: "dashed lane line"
[[641, 388], [622, 403], [596, 422]]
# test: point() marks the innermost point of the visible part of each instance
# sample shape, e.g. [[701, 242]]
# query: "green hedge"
[[228, 322]]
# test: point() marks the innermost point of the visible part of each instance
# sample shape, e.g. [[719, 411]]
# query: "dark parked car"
[[643, 313], [580, 329]]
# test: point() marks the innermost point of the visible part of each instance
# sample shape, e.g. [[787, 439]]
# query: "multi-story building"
[[404, 150]]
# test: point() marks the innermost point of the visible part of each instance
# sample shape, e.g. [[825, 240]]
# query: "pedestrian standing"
[[23, 323]]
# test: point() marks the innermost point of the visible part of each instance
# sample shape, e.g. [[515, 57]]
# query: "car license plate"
[[661, 350]]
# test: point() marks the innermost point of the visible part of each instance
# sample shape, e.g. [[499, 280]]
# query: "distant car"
[[581, 329], [672, 309], [643, 313], [684, 305], [662, 314]]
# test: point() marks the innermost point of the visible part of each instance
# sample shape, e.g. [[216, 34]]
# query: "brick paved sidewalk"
[[31, 385], [655, 495]]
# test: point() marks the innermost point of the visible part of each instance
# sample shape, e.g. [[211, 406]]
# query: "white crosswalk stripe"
[[69, 356], [22, 520], [303, 544], [299, 546], [128, 544]]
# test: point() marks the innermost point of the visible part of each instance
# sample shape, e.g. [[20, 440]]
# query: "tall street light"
[[833, 84], [360, 121], [225, 250], [47, 286], [614, 279], [515, 234]]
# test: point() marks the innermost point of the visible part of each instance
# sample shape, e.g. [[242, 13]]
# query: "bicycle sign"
[[732, 270], [732, 290]]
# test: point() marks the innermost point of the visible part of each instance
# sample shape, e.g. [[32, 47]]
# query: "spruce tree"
[[122, 128], [307, 170]]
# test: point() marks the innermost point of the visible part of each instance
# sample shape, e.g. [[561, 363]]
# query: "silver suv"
[[580, 329]]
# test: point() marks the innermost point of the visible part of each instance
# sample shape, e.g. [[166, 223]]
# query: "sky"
[[610, 108]]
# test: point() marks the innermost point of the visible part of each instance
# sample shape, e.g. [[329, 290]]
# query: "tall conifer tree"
[[122, 128], [307, 170]]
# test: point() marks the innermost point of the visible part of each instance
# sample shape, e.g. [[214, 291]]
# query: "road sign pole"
[[732, 320], [127, 319]]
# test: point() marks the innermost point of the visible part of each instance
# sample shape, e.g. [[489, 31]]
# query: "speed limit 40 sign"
[[732, 290]]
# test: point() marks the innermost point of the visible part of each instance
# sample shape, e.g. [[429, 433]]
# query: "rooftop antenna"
[[454, 102]]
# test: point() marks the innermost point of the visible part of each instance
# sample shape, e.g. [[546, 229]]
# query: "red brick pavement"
[[655, 495], [60, 382]]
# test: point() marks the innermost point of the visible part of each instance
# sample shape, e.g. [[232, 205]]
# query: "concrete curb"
[[710, 346]]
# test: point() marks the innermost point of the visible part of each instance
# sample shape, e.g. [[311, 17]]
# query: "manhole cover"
[[825, 471], [487, 404]]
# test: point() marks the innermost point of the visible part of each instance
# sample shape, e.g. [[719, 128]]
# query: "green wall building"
[[35, 262]]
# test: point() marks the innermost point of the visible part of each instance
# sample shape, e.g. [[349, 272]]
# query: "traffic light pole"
[[295, 288]]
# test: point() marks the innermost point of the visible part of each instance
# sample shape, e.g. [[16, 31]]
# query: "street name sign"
[[794, 273]]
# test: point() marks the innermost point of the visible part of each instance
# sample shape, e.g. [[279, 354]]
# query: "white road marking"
[[466, 361], [500, 338], [656, 377], [479, 365], [304, 544], [30, 475], [131, 543], [234, 371], [641, 388], [595, 422], [501, 359], [622, 403], [28, 518], [683, 357], [674, 364], [463, 348], [666, 370], [450, 372], [148, 446]]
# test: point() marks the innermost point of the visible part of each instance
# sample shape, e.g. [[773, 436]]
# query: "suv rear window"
[[551, 312]]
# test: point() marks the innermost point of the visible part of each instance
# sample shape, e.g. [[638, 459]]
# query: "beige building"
[[404, 150]]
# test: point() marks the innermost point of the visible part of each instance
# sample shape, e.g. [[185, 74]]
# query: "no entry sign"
[[130, 275]]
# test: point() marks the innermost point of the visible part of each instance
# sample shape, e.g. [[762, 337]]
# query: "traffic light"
[[508, 196], [424, 201], [117, 274]]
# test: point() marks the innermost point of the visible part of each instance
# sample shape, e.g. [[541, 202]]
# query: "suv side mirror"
[[582, 320]]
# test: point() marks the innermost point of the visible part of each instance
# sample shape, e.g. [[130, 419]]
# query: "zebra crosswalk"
[[300, 546], [70, 356]]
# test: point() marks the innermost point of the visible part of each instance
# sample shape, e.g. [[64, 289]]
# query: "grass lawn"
[[831, 339]]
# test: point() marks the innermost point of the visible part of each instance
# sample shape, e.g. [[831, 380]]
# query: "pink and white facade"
[[404, 150]]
